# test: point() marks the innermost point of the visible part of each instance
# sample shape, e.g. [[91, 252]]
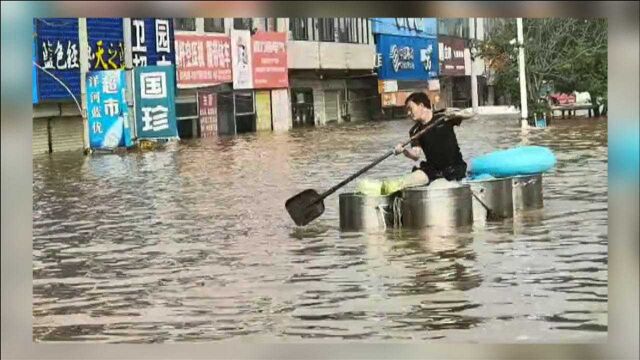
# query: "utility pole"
[[84, 68], [474, 78], [523, 79]]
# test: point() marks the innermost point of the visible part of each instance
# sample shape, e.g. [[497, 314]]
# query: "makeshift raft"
[[500, 184]]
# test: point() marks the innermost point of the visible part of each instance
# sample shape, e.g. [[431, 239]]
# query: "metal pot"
[[495, 194], [437, 207], [527, 192], [365, 213]]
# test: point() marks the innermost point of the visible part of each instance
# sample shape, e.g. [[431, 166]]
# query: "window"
[[454, 27], [243, 23], [299, 28], [244, 103], [186, 109], [270, 24], [366, 31], [214, 25], [344, 30], [326, 29], [185, 24]]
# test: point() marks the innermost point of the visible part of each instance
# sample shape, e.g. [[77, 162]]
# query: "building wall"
[[328, 55], [67, 133], [40, 137], [58, 123], [303, 54], [281, 110], [347, 56], [360, 104]]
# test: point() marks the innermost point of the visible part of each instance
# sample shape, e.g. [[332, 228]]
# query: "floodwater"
[[193, 243]]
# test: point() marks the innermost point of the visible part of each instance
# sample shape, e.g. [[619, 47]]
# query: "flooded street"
[[193, 243]]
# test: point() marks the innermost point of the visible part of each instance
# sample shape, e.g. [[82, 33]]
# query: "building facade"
[[407, 60], [459, 64], [234, 75], [331, 76]]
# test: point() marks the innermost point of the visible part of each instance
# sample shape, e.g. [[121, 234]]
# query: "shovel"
[[308, 205]]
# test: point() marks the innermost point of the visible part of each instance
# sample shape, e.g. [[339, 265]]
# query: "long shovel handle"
[[378, 160]]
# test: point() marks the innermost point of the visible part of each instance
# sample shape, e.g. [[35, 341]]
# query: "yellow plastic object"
[[369, 187], [392, 185]]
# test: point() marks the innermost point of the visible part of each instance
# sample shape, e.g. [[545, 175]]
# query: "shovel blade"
[[305, 207]]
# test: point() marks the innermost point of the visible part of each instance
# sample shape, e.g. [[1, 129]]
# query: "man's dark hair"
[[419, 98]]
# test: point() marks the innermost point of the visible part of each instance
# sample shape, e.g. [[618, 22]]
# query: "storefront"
[[455, 71], [204, 72], [270, 76], [407, 61], [57, 124]]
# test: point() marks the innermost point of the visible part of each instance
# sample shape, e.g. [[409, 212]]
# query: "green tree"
[[568, 54]]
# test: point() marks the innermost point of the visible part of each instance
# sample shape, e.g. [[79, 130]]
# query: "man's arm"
[[412, 153], [455, 116]]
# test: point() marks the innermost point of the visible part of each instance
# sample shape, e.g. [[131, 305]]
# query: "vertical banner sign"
[[208, 113], [106, 42], [241, 57], [451, 52], [163, 32], [138, 43], [58, 52], [202, 60], [155, 102], [270, 69], [151, 42], [107, 110]]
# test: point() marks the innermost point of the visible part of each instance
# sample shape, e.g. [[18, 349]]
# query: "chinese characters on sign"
[[114, 59], [208, 114], [407, 58], [202, 60], [451, 56], [106, 41], [154, 85], [155, 99], [151, 42], [401, 58], [155, 118], [107, 110], [57, 51], [163, 44], [426, 58], [60, 57], [270, 69], [138, 43]]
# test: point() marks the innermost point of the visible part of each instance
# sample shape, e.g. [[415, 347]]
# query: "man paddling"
[[439, 145]]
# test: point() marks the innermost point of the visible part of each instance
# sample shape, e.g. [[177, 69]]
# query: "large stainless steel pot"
[[496, 195], [437, 207], [365, 213], [527, 192]]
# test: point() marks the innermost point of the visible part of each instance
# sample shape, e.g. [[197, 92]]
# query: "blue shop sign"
[[107, 110], [106, 43], [155, 102], [152, 42], [58, 52], [407, 58]]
